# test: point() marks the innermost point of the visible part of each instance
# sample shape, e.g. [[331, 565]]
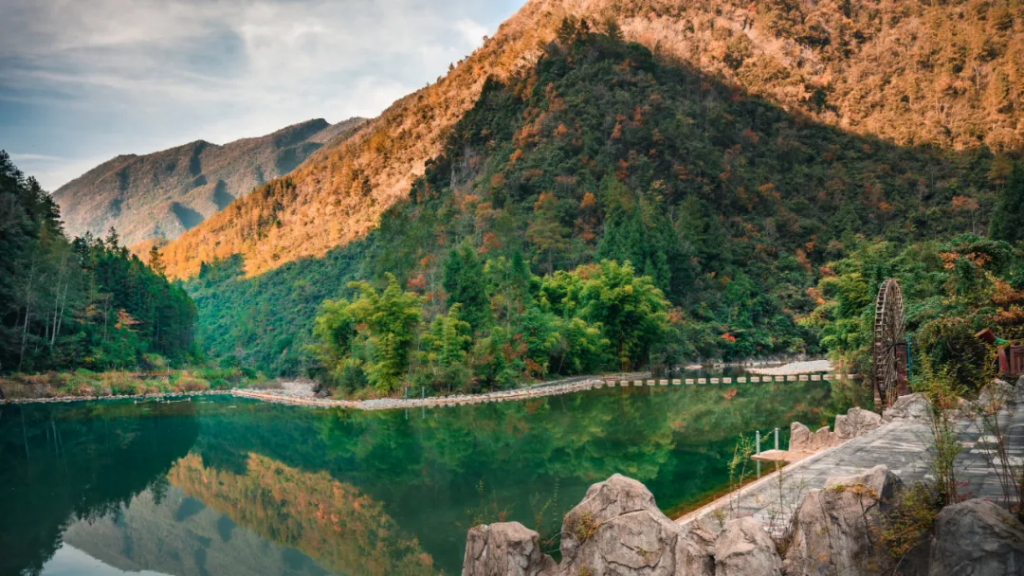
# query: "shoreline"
[[281, 396]]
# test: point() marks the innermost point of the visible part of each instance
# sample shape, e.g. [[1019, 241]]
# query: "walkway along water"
[[565, 386], [901, 445]]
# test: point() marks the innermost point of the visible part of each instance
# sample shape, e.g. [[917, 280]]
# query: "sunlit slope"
[[949, 75]]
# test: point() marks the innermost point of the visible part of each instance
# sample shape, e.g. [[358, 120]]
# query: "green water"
[[226, 486]]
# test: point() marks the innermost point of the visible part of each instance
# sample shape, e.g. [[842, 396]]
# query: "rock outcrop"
[[835, 530], [799, 438], [745, 549], [856, 422], [505, 549], [618, 529], [976, 538], [909, 407], [824, 438]]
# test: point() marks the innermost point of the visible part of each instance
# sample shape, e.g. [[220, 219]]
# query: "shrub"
[[189, 383], [950, 346]]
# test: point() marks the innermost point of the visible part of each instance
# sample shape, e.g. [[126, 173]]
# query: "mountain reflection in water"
[[223, 486]]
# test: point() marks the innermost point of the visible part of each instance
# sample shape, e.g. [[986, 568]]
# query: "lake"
[[223, 486]]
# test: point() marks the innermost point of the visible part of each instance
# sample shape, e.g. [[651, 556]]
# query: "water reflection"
[[62, 462], [299, 490], [177, 535]]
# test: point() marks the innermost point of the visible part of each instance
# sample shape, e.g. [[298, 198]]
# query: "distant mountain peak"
[[163, 194]]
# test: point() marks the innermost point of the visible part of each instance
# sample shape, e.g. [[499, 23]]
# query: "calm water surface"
[[224, 486]]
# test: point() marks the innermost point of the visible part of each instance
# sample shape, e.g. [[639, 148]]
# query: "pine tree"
[[1008, 217], [465, 283], [156, 262]]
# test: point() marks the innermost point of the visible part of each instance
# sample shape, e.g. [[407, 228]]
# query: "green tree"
[[449, 339], [1008, 216], [391, 319], [547, 232], [465, 284]]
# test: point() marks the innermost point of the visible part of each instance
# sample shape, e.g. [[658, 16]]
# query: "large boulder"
[[976, 538], [745, 549], [909, 407], [505, 549], [835, 530], [995, 396], [857, 422], [618, 529], [799, 438]]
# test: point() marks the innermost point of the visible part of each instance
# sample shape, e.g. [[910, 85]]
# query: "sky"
[[82, 81]]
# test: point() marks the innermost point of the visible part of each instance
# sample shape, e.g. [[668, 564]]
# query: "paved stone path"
[[900, 445]]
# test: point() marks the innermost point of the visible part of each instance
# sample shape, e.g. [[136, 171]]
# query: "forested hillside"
[[729, 203], [86, 302], [943, 74], [160, 195]]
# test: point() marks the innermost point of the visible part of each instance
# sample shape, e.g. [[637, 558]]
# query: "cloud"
[[81, 79]]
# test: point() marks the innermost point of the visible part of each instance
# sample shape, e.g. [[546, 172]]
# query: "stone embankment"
[[824, 515], [548, 389], [618, 529]]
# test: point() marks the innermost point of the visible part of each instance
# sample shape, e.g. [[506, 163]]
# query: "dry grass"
[[84, 383]]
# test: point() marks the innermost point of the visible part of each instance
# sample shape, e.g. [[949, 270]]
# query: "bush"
[[189, 383], [950, 347]]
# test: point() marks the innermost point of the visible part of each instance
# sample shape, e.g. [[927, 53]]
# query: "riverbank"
[[299, 393], [566, 386], [84, 385]]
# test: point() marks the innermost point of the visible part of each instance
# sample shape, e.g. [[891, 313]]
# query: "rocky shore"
[[618, 529], [566, 386], [301, 393], [868, 523]]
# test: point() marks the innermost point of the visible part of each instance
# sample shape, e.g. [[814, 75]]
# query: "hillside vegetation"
[[942, 74], [728, 204], [86, 302], [163, 194]]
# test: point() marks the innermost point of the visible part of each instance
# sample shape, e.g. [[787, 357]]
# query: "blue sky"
[[82, 81]]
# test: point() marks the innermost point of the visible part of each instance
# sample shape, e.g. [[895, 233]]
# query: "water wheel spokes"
[[890, 335]]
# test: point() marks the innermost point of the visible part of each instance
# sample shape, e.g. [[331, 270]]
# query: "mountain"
[[163, 194], [732, 203], [172, 533], [947, 75]]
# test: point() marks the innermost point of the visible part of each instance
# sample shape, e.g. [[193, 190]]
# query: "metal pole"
[[776, 438], [909, 362], [758, 437]]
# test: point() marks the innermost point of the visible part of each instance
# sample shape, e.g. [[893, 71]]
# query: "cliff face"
[[161, 195], [948, 75]]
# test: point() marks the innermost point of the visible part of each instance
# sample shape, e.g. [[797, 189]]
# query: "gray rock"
[[909, 407], [745, 549], [857, 422], [799, 438], [835, 530], [824, 438], [995, 396], [505, 549], [1017, 397], [977, 538], [618, 529]]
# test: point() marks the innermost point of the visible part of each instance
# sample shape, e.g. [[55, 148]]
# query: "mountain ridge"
[[863, 67], [162, 194]]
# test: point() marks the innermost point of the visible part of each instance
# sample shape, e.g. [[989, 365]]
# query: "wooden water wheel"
[[889, 352]]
